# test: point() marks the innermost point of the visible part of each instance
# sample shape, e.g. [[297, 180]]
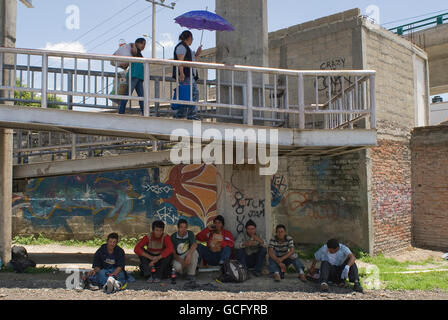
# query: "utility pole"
[[155, 3]]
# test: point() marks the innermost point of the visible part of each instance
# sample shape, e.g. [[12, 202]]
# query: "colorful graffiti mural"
[[187, 192], [194, 191]]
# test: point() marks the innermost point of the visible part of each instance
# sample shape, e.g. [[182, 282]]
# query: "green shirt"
[[137, 71], [182, 245]]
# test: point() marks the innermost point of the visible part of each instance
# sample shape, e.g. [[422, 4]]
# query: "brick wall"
[[391, 195], [429, 147]]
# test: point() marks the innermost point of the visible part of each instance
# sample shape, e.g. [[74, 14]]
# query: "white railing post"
[[372, 103], [301, 93], [250, 96], [43, 101], [146, 90], [1, 68]]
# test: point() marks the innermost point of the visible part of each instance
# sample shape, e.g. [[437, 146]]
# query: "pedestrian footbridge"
[[63, 109]]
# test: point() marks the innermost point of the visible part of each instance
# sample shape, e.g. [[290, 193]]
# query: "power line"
[[114, 27], [106, 20], [414, 17], [121, 32]]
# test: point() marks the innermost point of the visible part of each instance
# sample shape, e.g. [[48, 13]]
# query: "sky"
[[97, 26]]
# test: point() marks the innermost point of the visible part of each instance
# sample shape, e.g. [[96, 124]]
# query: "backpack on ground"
[[20, 260], [233, 271]]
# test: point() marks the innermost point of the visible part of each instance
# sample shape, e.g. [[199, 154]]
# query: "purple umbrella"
[[203, 20]]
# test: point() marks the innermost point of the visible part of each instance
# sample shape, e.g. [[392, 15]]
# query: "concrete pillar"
[[8, 14], [245, 194], [247, 45]]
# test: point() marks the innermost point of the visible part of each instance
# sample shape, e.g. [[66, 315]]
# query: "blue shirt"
[[104, 260], [336, 259]]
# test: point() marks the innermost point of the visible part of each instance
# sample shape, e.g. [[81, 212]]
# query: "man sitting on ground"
[[108, 266], [155, 252], [250, 250], [282, 254], [185, 254], [337, 264], [219, 243]]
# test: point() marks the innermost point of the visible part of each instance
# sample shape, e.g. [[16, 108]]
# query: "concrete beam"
[[162, 128], [102, 164]]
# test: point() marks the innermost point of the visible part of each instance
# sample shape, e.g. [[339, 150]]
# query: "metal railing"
[[37, 146], [249, 95], [420, 24]]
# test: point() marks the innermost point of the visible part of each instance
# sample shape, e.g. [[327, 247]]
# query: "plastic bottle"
[[173, 276]]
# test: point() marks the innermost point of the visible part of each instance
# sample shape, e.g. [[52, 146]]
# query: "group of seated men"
[[161, 254]]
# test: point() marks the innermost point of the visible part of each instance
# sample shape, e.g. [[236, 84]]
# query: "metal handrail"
[[250, 81], [438, 20]]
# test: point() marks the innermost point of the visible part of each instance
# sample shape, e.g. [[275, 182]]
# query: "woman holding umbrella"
[[187, 75]]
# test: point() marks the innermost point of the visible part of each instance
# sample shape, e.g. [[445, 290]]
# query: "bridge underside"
[[290, 141]]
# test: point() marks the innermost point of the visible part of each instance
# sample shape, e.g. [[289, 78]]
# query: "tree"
[[52, 101]]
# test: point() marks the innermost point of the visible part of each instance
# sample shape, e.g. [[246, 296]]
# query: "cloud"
[[66, 46]]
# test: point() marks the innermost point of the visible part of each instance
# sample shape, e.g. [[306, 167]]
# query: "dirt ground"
[[52, 286]]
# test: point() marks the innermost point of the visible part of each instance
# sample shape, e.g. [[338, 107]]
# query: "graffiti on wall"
[[194, 191], [187, 192], [278, 189], [318, 205], [335, 83], [245, 206]]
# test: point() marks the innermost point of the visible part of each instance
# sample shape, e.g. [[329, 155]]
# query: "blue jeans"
[[101, 277], [214, 258], [255, 260], [189, 111], [136, 84], [274, 267]]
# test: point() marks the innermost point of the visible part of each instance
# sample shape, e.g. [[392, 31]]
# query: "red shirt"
[[206, 235], [165, 251]]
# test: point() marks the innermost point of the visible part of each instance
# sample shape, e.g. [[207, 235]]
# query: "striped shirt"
[[281, 248]]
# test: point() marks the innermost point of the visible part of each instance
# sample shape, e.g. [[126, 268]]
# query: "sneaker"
[[155, 280], [109, 286], [193, 118], [117, 286], [324, 287], [277, 277], [89, 285], [358, 288]]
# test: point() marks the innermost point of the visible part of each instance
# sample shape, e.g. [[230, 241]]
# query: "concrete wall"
[[88, 205], [8, 14], [243, 195], [435, 42], [429, 187], [439, 113], [322, 198]]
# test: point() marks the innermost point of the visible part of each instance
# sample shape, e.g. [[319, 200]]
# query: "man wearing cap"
[[219, 243], [250, 250], [337, 264]]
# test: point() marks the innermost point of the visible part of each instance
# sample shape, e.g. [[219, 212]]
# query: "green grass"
[[416, 281], [392, 265], [406, 281], [128, 243]]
